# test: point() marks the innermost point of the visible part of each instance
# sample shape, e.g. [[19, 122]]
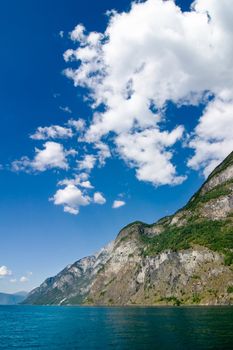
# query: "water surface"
[[53, 327]]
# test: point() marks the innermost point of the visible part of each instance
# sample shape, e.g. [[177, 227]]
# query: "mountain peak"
[[185, 258]]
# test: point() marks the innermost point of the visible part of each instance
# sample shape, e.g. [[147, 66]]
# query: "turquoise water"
[[51, 327]]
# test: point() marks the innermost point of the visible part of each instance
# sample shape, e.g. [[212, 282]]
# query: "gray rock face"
[[218, 209], [174, 261], [72, 284], [219, 179]]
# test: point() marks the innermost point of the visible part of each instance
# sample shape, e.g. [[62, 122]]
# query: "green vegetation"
[[102, 269], [225, 164], [216, 192], [124, 238], [132, 224], [213, 292], [109, 282], [172, 299], [196, 277], [164, 220], [140, 223], [230, 289], [196, 298], [215, 235], [89, 300], [228, 259]]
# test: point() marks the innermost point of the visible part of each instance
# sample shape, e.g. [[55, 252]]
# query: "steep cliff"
[[186, 258]]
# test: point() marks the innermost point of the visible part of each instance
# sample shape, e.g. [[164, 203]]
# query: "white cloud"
[[87, 163], [78, 33], [61, 33], [4, 271], [99, 198], [53, 155], [78, 179], [78, 124], [148, 56], [51, 132], [71, 197], [86, 184], [75, 194], [117, 204], [213, 137], [65, 109], [145, 151], [23, 279], [22, 164], [71, 210], [103, 152]]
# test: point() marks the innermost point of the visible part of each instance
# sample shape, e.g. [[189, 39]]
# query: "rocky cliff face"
[[186, 258]]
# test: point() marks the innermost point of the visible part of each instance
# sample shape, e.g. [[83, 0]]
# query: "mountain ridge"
[[184, 258], [12, 299]]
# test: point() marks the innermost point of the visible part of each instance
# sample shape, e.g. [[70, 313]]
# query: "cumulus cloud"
[[53, 155], [71, 197], [148, 56], [78, 124], [78, 33], [78, 179], [51, 132], [76, 192], [213, 137], [23, 279], [99, 198], [103, 152], [4, 271], [117, 204], [87, 163], [145, 151]]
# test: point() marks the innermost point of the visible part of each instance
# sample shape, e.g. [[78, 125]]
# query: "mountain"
[[185, 258], [12, 299], [21, 293]]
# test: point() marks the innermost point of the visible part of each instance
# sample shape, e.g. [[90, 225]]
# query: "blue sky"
[[37, 237]]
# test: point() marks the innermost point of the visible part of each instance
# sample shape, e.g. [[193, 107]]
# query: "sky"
[[111, 112]]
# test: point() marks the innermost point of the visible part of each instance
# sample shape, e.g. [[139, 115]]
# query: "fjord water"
[[54, 327]]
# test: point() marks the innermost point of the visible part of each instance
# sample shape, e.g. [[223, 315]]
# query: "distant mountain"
[[22, 293], [12, 299], [185, 258]]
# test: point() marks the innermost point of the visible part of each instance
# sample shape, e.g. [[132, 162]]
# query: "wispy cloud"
[[61, 33], [118, 203], [52, 132], [65, 109]]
